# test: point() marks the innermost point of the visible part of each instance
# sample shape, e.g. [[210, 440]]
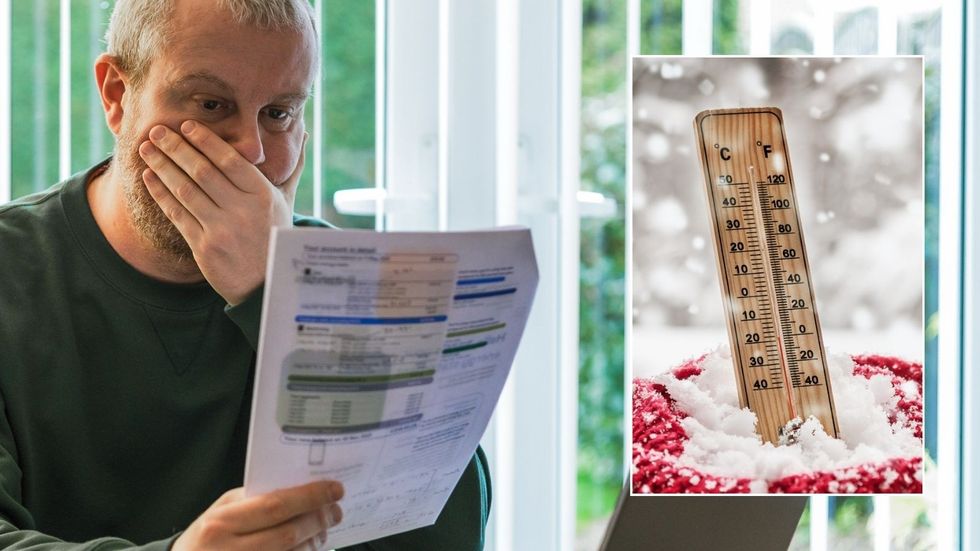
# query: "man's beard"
[[147, 216]]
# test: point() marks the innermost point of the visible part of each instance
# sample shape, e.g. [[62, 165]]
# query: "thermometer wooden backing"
[[777, 347]]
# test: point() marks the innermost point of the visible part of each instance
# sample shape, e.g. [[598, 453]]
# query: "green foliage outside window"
[[603, 248], [347, 81], [34, 44], [727, 40]]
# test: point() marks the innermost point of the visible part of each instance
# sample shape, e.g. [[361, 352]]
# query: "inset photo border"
[[853, 130]]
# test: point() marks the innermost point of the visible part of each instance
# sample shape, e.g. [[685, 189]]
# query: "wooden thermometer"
[[777, 347]]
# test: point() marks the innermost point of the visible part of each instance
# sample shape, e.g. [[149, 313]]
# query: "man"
[[131, 295]]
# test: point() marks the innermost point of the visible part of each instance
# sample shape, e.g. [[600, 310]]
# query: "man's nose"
[[245, 135]]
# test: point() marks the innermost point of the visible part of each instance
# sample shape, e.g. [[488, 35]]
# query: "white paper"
[[381, 358]]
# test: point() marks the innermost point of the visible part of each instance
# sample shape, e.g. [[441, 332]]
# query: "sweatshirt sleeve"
[[17, 526], [462, 523], [247, 315], [15, 539]]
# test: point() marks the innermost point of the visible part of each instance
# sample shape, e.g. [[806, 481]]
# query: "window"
[[57, 126], [433, 114], [341, 117]]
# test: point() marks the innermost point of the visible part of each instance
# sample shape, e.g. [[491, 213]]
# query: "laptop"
[[702, 523]]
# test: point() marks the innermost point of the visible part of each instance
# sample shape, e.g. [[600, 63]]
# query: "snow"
[[722, 440]]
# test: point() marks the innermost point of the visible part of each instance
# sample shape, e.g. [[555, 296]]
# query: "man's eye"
[[278, 114], [211, 105]]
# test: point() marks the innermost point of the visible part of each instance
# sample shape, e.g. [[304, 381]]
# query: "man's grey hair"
[[139, 29]]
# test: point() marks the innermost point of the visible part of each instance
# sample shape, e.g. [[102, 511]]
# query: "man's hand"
[[221, 203], [294, 518]]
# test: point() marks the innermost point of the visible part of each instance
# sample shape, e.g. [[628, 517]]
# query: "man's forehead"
[[206, 46]]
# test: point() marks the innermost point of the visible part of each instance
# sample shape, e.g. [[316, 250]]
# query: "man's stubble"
[[145, 214]]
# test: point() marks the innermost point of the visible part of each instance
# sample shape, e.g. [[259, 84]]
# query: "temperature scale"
[[777, 347]]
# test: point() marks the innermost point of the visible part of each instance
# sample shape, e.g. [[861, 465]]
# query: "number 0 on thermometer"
[[777, 347]]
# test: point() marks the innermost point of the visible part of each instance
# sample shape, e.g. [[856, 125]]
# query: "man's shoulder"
[[34, 244], [309, 221], [40, 229], [32, 203], [31, 213]]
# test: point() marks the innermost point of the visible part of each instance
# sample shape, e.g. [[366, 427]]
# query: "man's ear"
[[113, 84]]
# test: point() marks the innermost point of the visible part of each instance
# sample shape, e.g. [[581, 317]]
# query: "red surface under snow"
[[658, 440]]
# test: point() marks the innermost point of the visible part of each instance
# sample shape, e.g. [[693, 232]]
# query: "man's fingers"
[[194, 164], [336, 514], [301, 532], [294, 518], [231, 496], [237, 170], [316, 543], [184, 189], [329, 518], [186, 224], [274, 508]]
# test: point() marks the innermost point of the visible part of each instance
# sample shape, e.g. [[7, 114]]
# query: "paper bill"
[[381, 358]]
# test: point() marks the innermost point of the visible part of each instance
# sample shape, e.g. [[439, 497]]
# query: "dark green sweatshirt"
[[124, 401]]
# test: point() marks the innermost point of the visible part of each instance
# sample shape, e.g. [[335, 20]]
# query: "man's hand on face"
[[293, 518], [221, 203]]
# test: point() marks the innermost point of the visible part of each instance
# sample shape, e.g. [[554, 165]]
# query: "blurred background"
[[432, 114], [854, 132]]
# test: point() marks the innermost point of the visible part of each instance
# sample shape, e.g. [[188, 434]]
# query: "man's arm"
[[247, 315], [14, 538], [18, 527], [280, 520]]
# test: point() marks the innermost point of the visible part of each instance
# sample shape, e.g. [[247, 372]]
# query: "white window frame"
[[962, 295], [952, 485]]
